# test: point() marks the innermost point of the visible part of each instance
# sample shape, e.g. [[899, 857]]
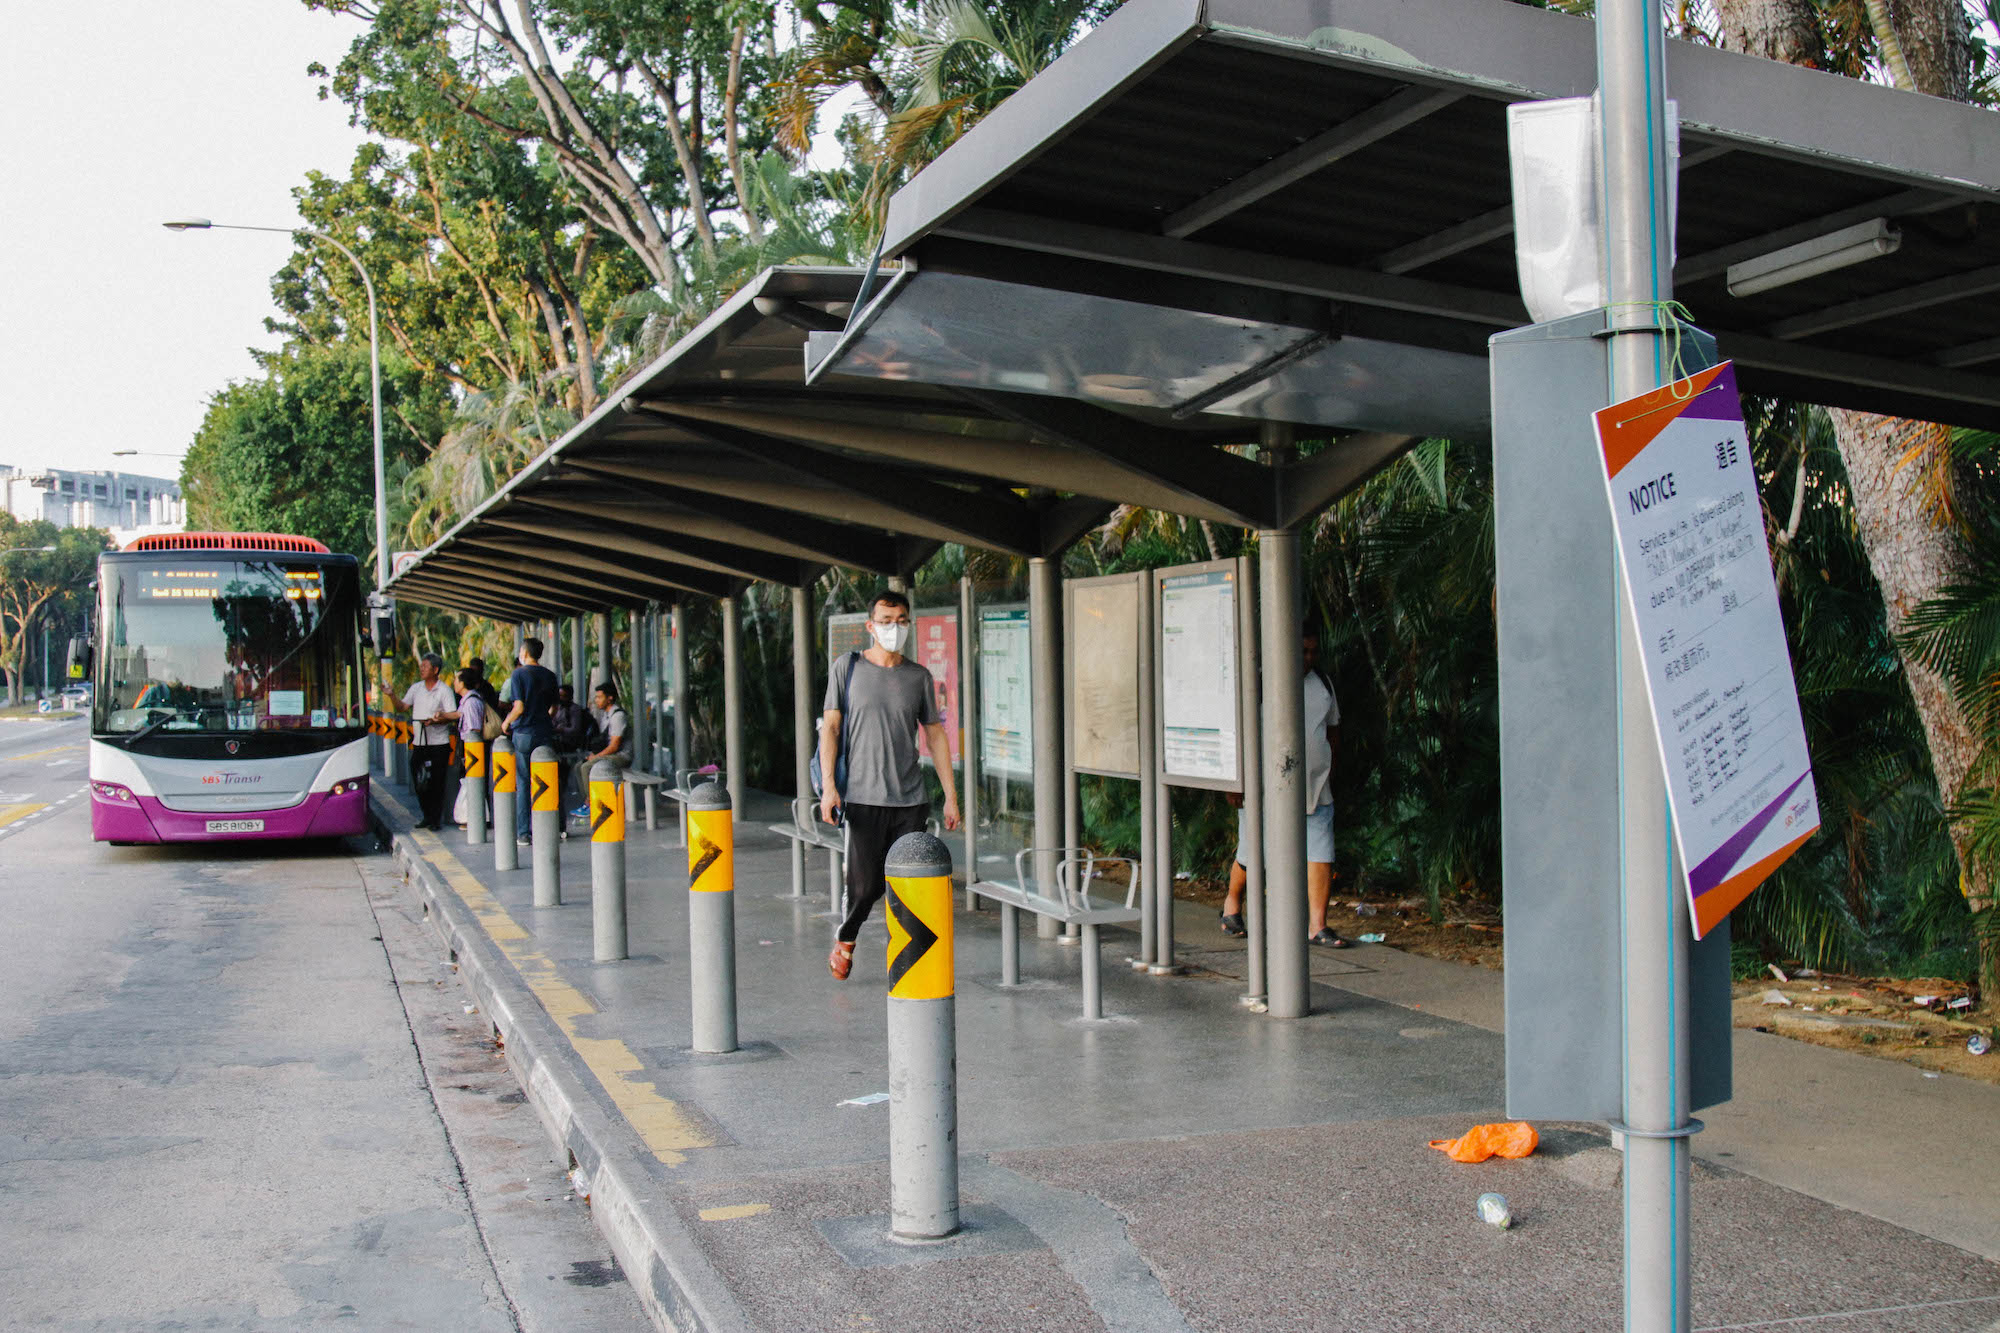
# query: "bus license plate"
[[235, 826]]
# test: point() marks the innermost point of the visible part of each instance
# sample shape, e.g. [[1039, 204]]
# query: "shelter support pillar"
[[1253, 788], [677, 626], [732, 702], [1045, 656], [601, 672], [1638, 265], [968, 724], [1284, 775], [578, 670], [802, 720], [1153, 870], [635, 701], [520, 638]]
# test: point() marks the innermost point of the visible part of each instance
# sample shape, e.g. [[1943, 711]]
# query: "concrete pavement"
[[1182, 1163]]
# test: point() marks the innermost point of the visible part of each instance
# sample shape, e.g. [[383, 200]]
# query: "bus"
[[228, 683]]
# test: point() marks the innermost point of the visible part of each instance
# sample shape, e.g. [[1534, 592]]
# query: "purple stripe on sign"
[[1718, 402], [1715, 869]]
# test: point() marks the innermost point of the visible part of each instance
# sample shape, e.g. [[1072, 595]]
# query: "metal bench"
[[806, 830], [648, 784], [1076, 868], [683, 789]]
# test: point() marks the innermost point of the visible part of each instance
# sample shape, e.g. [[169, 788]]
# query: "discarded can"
[[1493, 1211], [1978, 1043]]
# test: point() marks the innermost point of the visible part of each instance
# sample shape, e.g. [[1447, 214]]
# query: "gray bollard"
[[712, 917], [923, 1042], [474, 786], [545, 816], [607, 863], [506, 855]]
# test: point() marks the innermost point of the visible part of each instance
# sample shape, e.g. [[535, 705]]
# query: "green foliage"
[[45, 576], [294, 452]]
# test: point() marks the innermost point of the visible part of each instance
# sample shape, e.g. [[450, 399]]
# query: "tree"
[[1924, 46], [294, 452], [34, 582]]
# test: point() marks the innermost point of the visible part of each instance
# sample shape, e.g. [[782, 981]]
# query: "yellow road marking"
[[43, 754], [660, 1121], [10, 813], [730, 1212]]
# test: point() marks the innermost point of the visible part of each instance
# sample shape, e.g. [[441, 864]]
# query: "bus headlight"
[[111, 791]]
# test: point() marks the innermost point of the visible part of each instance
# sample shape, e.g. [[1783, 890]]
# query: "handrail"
[[1074, 895]]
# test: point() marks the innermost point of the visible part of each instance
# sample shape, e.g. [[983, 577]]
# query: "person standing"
[[875, 703], [471, 719], [1322, 718], [430, 703], [572, 730], [527, 725]]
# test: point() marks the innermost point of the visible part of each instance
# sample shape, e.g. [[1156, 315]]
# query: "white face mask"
[[890, 638]]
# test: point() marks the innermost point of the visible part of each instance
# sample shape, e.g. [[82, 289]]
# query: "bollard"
[[545, 818], [712, 917], [404, 732], [506, 855], [923, 1042], [474, 786], [607, 862]]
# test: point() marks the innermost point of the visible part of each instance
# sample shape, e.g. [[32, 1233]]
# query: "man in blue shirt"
[[532, 687]]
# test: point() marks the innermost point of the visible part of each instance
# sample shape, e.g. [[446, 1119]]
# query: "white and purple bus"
[[228, 685]]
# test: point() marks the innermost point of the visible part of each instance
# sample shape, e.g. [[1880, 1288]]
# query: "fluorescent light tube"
[[1821, 254]]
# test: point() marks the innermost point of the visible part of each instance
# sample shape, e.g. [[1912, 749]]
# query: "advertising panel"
[[1101, 639], [1200, 723], [1006, 693]]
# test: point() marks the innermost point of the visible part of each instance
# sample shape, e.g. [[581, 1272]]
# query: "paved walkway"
[[1183, 1163]]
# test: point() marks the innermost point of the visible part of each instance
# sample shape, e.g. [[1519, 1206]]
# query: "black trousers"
[[429, 767], [871, 831]]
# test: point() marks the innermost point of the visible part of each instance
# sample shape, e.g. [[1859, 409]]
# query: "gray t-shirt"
[[885, 706]]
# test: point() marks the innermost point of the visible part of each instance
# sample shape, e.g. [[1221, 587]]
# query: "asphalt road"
[[240, 1088]]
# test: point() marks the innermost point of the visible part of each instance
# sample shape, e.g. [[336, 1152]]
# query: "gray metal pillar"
[[923, 1042], [579, 668], [1045, 656], [601, 670], [802, 720], [506, 852], [545, 816], [1162, 851], [712, 918], [1284, 776], [968, 723], [677, 625], [635, 687], [607, 863], [1638, 262], [732, 700], [1253, 787], [1072, 789], [520, 638], [1151, 867]]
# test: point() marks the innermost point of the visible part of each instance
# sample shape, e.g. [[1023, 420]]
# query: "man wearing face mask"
[[875, 703]]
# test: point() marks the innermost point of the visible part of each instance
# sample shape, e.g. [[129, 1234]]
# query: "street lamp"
[[374, 371]]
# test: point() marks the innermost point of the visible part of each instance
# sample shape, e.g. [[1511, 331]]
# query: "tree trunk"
[[1909, 547]]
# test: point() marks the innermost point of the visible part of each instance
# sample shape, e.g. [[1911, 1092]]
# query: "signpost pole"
[[1638, 264]]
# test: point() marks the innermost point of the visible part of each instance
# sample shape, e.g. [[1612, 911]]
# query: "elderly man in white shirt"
[[432, 707]]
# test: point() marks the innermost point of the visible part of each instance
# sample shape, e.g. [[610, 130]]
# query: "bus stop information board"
[[1691, 535], [1198, 691], [1006, 693]]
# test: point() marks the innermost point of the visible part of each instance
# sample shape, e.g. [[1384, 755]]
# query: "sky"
[[126, 113]]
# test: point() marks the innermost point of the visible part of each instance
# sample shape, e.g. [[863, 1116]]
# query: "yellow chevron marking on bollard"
[[920, 952], [607, 812], [542, 785], [475, 760], [503, 772], [711, 851]]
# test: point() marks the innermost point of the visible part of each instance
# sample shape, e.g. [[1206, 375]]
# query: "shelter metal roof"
[[1339, 168], [716, 466]]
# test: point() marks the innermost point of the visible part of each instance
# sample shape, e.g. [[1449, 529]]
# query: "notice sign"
[[1691, 534], [1198, 691], [1006, 693]]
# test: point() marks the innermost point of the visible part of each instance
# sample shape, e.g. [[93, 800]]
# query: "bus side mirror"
[[80, 658]]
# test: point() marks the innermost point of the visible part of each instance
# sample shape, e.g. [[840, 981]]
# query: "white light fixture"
[[1821, 254]]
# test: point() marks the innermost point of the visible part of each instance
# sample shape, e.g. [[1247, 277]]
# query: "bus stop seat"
[[648, 784], [1077, 868], [683, 790]]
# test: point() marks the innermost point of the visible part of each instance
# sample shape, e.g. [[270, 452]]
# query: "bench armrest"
[[1076, 867]]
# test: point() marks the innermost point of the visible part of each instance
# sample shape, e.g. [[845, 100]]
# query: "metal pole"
[[1045, 655], [923, 1041], [968, 720], [802, 720], [579, 680], [1149, 772], [732, 702], [1162, 850], [1253, 786], [1072, 790], [1638, 266], [506, 855], [635, 709], [474, 786], [1284, 777], [546, 817], [607, 862], [677, 623], [712, 918], [520, 638]]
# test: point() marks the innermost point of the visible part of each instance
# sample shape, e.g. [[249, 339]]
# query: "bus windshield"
[[228, 645]]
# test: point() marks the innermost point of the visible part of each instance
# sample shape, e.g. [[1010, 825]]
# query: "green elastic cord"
[[1671, 316]]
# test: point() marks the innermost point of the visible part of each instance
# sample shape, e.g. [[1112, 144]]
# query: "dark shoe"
[[1326, 939], [840, 960], [1232, 924]]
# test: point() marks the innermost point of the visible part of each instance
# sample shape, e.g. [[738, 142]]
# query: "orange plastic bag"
[[1515, 1138]]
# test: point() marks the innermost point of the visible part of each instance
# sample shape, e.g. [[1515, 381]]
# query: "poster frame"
[[1233, 570], [1136, 582], [987, 766]]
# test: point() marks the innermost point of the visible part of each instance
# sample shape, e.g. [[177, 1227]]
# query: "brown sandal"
[[840, 960]]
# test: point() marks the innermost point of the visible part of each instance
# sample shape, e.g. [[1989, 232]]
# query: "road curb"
[[680, 1290]]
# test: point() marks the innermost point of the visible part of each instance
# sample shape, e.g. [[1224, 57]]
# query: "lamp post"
[[378, 602]]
